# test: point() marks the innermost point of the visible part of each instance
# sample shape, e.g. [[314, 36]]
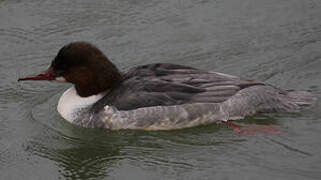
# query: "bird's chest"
[[70, 104]]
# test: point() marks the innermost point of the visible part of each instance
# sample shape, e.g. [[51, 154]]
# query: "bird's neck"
[[102, 77]]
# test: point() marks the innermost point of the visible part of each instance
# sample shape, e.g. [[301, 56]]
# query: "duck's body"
[[162, 96], [169, 96]]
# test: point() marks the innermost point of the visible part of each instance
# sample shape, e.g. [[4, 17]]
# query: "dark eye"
[[63, 67], [59, 67], [58, 72]]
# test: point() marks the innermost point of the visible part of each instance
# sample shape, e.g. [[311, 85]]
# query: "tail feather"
[[266, 99], [303, 99]]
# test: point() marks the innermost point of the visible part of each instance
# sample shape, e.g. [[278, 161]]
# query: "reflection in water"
[[79, 159], [91, 153]]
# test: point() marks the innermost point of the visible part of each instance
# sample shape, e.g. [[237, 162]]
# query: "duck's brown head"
[[83, 65]]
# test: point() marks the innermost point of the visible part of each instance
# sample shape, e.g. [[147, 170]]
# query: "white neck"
[[70, 102]]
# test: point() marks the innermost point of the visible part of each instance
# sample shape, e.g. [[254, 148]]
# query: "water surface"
[[274, 41]]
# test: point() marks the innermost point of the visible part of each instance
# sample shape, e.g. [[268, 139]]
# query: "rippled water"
[[274, 41]]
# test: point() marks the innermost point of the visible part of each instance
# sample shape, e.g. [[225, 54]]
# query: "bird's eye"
[[60, 68], [63, 67], [59, 72]]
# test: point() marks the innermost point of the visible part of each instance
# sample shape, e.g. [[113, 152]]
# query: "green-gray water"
[[274, 41]]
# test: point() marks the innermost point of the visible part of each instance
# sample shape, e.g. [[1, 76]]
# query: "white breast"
[[70, 102]]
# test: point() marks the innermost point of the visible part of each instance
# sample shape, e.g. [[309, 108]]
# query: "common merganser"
[[157, 96]]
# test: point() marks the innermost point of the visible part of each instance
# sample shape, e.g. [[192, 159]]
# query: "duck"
[[158, 96]]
